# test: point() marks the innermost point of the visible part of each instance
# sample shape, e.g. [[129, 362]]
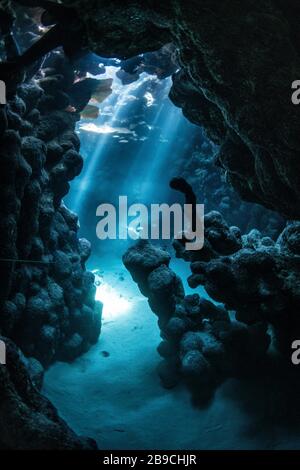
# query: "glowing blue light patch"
[[114, 304]]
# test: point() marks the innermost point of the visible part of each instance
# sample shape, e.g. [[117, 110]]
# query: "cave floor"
[[113, 393]]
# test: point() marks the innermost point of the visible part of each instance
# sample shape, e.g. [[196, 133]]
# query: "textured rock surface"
[[212, 189], [28, 420], [235, 57], [201, 343], [49, 307], [228, 90], [236, 77], [250, 274], [47, 298]]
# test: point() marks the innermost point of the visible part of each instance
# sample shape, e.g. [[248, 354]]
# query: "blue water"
[[132, 149], [113, 393]]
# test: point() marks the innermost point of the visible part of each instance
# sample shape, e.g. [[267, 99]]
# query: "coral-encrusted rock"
[[84, 249], [142, 259], [28, 420], [219, 238], [48, 298], [201, 343], [34, 151], [73, 347], [259, 280], [160, 281], [35, 371]]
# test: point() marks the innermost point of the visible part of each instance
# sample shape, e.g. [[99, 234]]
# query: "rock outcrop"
[[28, 420], [201, 343], [47, 297], [237, 63], [251, 274]]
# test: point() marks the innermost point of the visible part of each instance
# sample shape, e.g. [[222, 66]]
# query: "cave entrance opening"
[[134, 146]]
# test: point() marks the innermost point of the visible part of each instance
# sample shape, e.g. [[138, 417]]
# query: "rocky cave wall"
[[209, 181], [255, 284], [48, 305], [237, 63], [245, 81], [50, 308]]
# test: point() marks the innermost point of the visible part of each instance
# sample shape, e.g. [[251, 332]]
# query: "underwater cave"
[[137, 342]]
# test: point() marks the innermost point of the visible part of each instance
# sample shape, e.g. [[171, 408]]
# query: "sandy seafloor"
[[117, 398]]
